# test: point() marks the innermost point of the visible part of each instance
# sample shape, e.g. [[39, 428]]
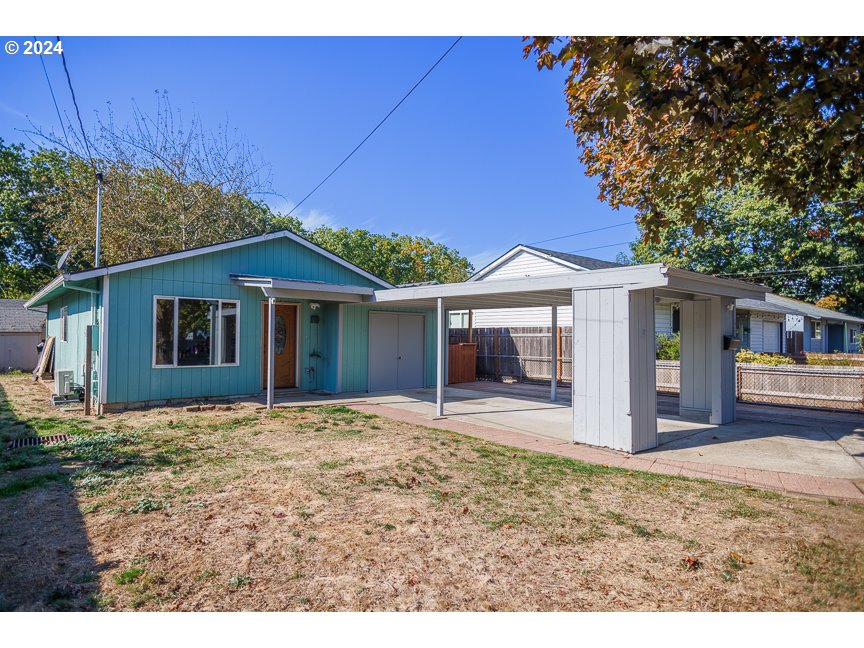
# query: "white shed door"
[[395, 351], [771, 332]]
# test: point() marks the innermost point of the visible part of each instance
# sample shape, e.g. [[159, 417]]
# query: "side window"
[[64, 324]]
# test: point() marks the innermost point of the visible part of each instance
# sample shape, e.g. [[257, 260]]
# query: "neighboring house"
[[194, 324], [21, 331], [526, 261], [761, 326], [782, 325]]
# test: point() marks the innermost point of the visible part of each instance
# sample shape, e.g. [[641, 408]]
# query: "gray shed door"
[[395, 351]]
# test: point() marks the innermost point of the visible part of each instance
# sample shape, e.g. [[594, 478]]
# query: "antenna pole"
[[98, 217]]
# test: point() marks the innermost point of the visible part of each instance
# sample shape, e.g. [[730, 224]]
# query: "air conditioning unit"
[[63, 382]]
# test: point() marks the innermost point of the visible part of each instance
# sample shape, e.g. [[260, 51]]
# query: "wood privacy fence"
[[522, 354], [801, 385]]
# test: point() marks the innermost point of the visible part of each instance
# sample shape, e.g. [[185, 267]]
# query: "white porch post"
[[271, 350], [553, 395], [442, 350]]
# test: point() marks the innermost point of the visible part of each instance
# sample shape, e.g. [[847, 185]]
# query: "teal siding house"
[[197, 324]]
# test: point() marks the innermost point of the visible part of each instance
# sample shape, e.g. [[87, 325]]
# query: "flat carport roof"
[[616, 398], [557, 290]]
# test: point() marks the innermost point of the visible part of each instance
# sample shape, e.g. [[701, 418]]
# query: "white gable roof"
[[529, 261]]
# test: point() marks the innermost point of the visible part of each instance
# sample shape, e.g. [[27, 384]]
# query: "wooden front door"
[[285, 348]]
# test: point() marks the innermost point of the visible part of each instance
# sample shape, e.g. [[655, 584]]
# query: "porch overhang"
[[280, 288]]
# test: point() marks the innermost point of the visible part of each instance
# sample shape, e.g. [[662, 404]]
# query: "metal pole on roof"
[[98, 218]]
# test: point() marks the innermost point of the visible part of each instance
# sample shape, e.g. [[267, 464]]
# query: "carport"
[[614, 401]]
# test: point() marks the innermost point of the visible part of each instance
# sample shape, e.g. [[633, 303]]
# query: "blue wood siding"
[[70, 355], [355, 345], [131, 376]]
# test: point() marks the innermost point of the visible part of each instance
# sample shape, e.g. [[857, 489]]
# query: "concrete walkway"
[[798, 451]]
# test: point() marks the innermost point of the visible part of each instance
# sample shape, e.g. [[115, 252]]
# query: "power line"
[[53, 98], [599, 229], [598, 247], [372, 132], [767, 273], [75, 102]]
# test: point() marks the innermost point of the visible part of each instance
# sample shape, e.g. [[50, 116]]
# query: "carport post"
[[442, 350], [553, 396], [271, 350]]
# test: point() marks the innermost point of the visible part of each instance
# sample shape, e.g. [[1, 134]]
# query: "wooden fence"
[[521, 354]]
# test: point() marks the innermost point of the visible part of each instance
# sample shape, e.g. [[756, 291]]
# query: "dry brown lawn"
[[332, 509]]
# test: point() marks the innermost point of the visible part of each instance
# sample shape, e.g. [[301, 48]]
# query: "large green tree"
[[664, 121], [809, 255], [28, 247], [48, 205]]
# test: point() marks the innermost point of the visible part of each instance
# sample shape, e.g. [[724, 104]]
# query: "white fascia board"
[[54, 283], [478, 276], [298, 284], [185, 254], [646, 275], [313, 295]]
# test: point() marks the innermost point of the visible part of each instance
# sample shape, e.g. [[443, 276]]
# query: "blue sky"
[[478, 157]]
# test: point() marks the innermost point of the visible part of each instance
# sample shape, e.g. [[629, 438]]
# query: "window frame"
[[216, 336], [64, 323], [815, 327]]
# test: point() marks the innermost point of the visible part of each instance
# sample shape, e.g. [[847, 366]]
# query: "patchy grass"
[[330, 508]]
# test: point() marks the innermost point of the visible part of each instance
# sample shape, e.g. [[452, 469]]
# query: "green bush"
[[668, 346], [747, 356]]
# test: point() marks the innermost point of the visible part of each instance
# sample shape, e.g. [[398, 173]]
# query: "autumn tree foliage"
[[816, 255], [666, 121]]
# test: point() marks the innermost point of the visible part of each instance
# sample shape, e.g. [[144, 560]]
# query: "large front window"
[[195, 332]]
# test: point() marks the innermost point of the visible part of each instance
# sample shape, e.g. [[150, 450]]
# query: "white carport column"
[[271, 350], [553, 392], [442, 354], [614, 383], [707, 381], [723, 377]]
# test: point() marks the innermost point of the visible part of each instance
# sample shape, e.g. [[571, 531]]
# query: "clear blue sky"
[[478, 157]]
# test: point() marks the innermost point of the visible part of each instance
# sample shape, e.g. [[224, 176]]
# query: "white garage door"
[[395, 351], [771, 333]]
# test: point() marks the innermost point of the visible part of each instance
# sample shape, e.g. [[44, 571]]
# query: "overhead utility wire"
[[381, 123], [597, 247], [599, 229], [780, 272], [53, 97], [75, 103]]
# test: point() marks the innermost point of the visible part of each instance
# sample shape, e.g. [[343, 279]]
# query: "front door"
[[835, 338], [285, 347]]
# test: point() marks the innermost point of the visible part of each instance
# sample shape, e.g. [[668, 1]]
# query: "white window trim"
[[64, 323], [216, 336]]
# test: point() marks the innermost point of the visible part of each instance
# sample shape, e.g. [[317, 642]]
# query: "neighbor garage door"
[[772, 341], [395, 351]]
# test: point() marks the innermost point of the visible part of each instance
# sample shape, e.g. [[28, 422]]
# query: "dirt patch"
[[332, 509]]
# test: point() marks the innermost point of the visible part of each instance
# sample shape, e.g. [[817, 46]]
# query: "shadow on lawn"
[[45, 559]]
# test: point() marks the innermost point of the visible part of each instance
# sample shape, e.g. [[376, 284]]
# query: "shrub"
[[668, 346], [747, 356]]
